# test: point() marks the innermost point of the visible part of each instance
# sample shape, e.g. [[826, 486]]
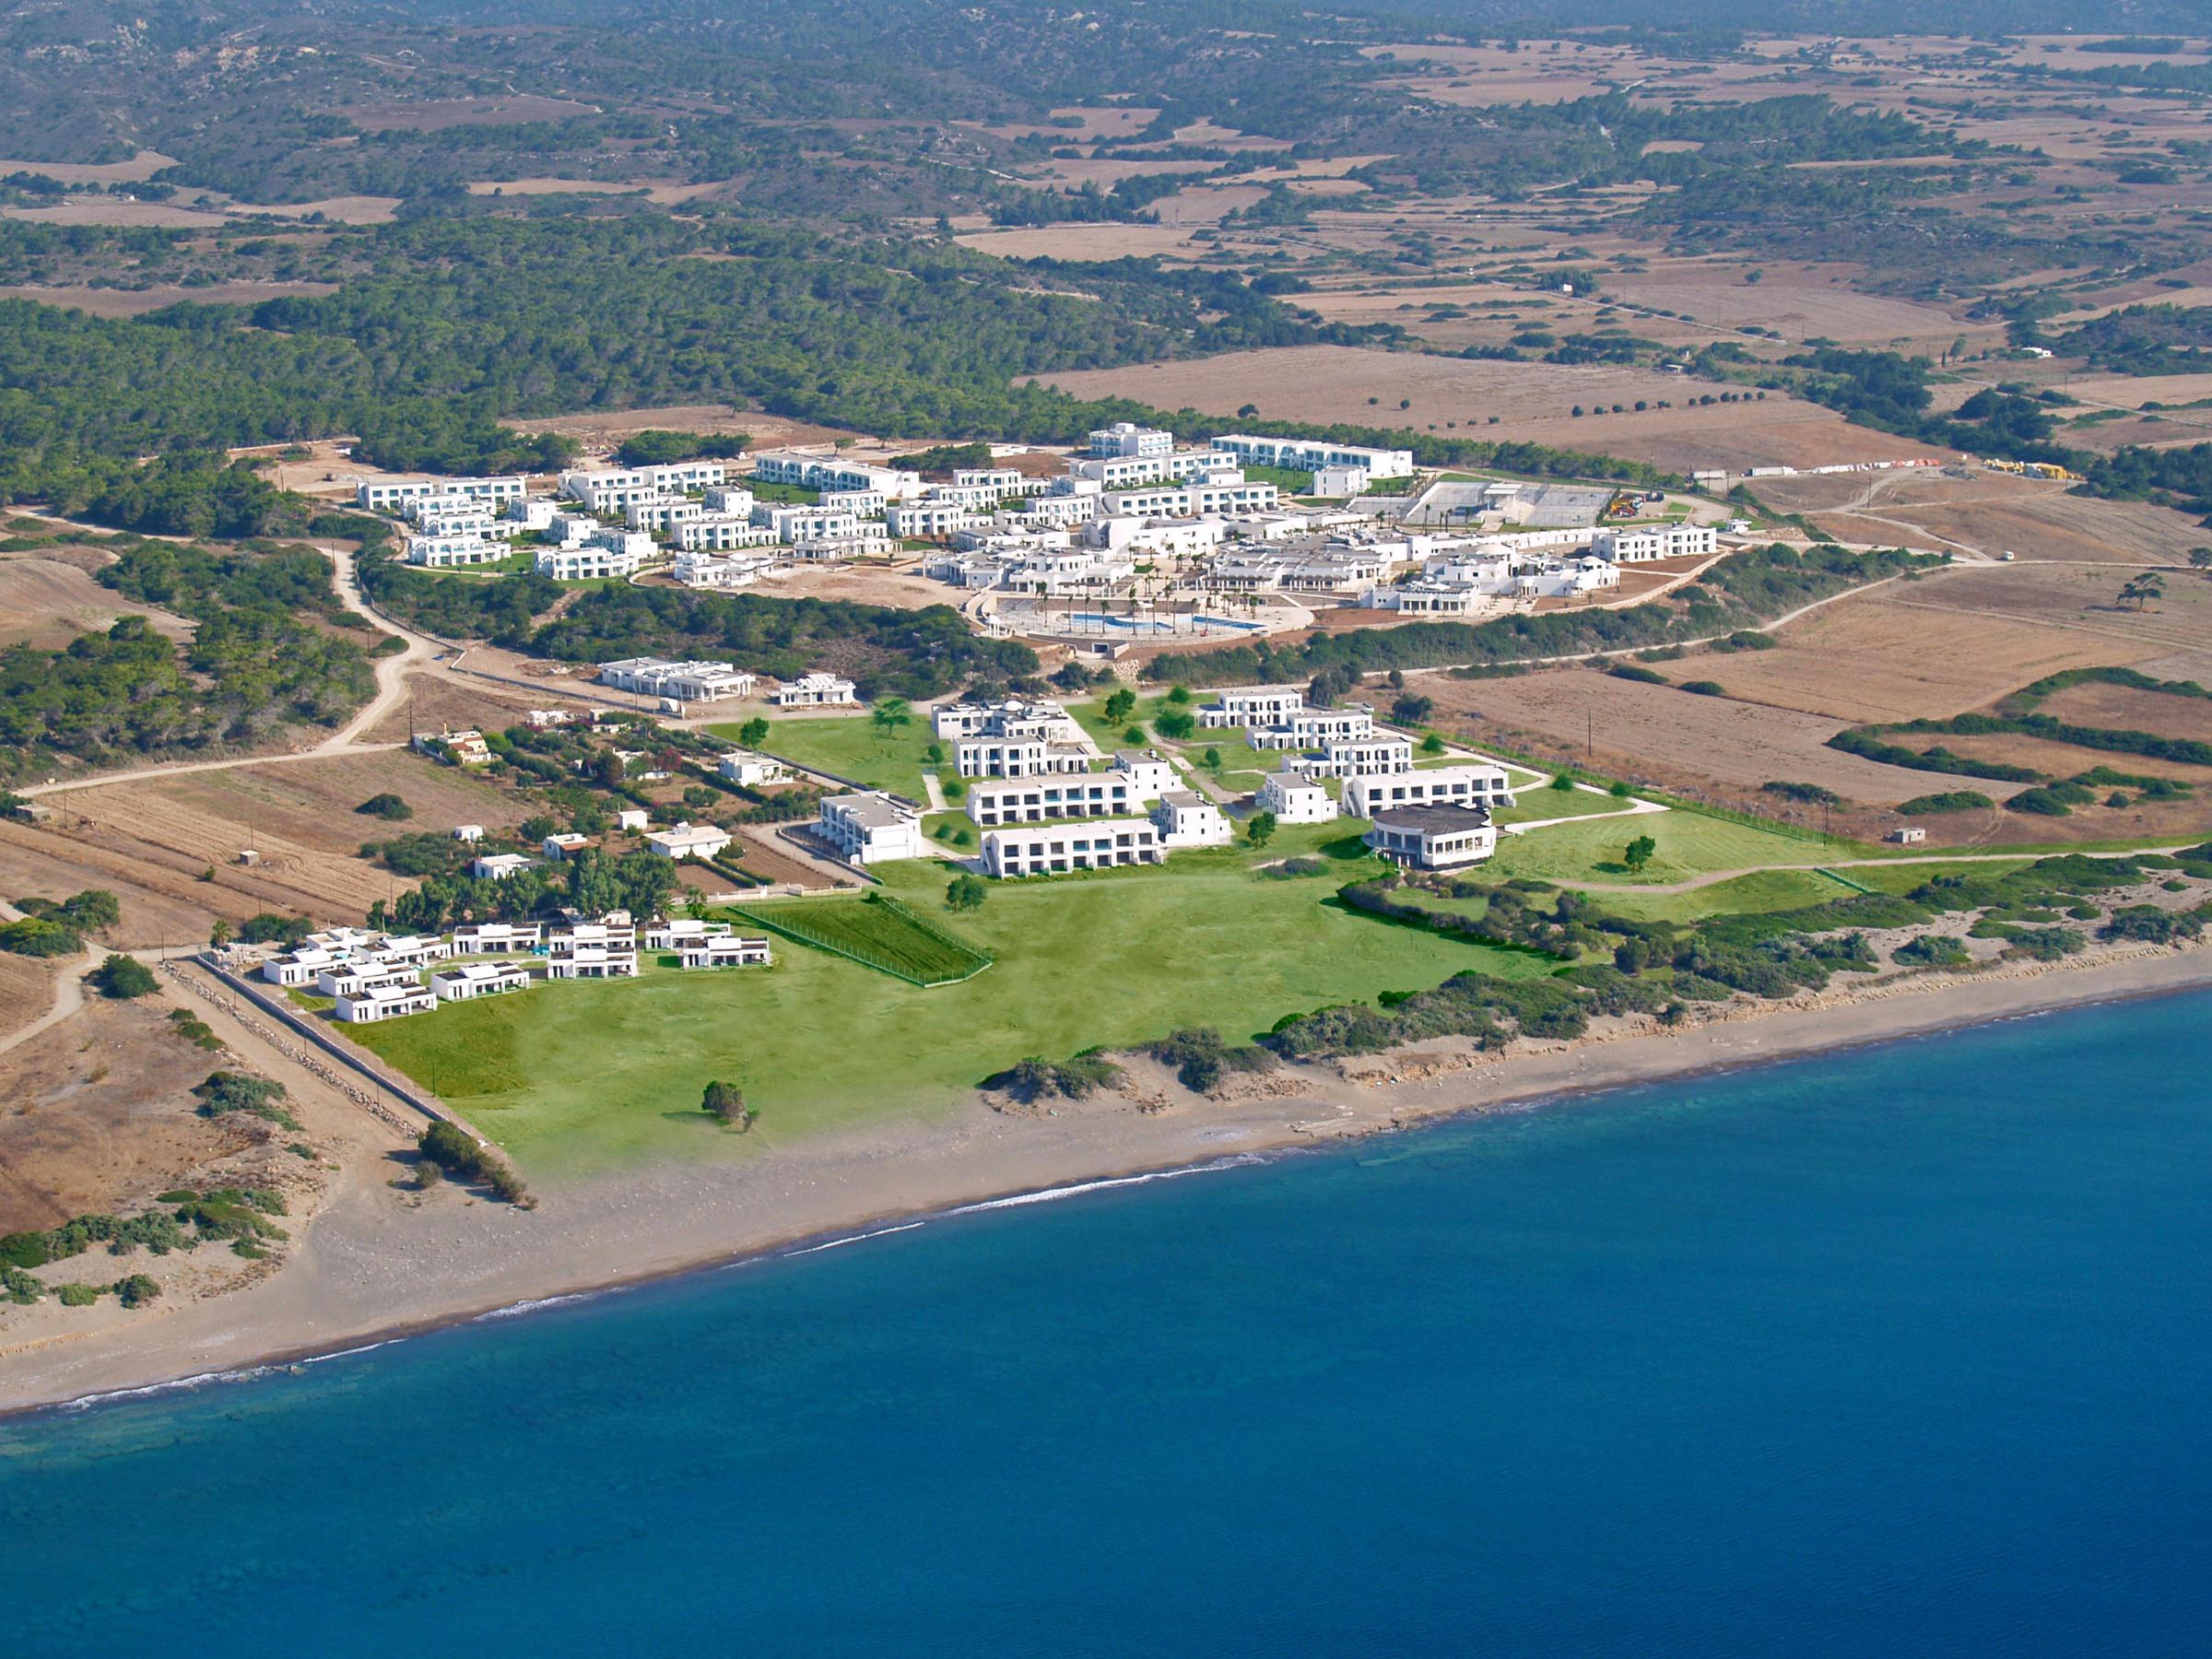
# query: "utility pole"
[[1590, 733]]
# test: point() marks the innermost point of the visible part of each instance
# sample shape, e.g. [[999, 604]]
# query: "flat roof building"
[[870, 828], [1053, 849], [1433, 838]]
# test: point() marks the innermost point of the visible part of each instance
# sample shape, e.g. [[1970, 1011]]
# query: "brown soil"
[[1714, 746], [48, 598], [2123, 709]]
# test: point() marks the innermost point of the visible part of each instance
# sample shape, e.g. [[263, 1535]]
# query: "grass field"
[[576, 1076], [1689, 845], [853, 746], [882, 935], [1762, 891], [1539, 805]]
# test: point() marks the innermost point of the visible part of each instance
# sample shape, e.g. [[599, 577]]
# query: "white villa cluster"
[[679, 683], [373, 976]]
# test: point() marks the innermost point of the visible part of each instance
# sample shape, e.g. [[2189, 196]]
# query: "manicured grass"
[[880, 933], [853, 746], [1688, 843], [1903, 877], [1091, 714], [1762, 891], [1536, 806], [579, 1075]]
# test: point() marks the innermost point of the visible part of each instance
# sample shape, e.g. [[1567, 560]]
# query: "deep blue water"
[[1904, 1351]]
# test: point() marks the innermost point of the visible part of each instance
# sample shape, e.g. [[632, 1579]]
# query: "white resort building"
[[1433, 838], [1052, 849], [1474, 785], [870, 828]]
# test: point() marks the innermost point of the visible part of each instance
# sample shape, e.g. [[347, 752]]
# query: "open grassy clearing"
[[1762, 890], [853, 746], [1689, 845], [578, 1076], [1537, 805]]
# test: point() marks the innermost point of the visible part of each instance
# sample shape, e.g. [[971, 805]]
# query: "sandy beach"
[[375, 1265]]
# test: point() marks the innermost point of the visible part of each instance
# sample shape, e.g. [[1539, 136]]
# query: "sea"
[[1897, 1351]]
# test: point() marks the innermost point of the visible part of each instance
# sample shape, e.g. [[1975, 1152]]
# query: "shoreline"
[[369, 1273]]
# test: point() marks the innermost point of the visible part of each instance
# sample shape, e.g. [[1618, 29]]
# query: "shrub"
[[1293, 867], [226, 1091], [137, 1290], [121, 977], [1630, 671], [34, 936], [1177, 725], [1956, 800], [449, 1147], [2150, 924], [725, 1102], [1931, 950], [1704, 688], [1200, 1057], [1811, 793], [79, 1296], [966, 892], [385, 806], [1072, 1078]]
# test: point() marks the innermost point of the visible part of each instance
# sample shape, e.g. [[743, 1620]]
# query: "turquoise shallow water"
[[1907, 1350]]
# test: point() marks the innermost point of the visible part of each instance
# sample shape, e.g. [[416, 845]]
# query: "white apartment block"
[[525, 513], [454, 552], [576, 937], [472, 979], [1431, 599], [1310, 455], [1433, 838], [733, 498], [1295, 798], [1042, 799], [1023, 756], [678, 932], [1637, 545], [1376, 755], [447, 516], [593, 961], [1564, 578], [929, 518], [1005, 480], [392, 495], [496, 939], [869, 538], [864, 503], [798, 522], [592, 561], [720, 533], [1150, 770], [1065, 571], [1478, 784], [705, 572], [726, 950], [1251, 705], [1136, 472], [870, 828], [815, 691], [1053, 849], [1314, 728], [1057, 511], [1185, 819], [828, 472], [1010, 718], [1126, 438], [1166, 538], [351, 979], [613, 489], [387, 1001], [689, 680], [659, 515], [1192, 498]]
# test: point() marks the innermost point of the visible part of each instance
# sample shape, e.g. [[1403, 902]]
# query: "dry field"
[[438, 701], [1797, 302], [1876, 658], [1533, 402], [162, 903], [132, 303], [99, 1116], [2067, 759], [346, 210], [47, 599], [2123, 709], [2172, 640], [1659, 734], [136, 171], [1088, 241], [432, 115], [115, 210], [1987, 513], [299, 815]]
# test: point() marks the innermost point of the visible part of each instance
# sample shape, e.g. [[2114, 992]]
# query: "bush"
[[226, 1091], [1931, 950], [1810, 794], [1035, 1078], [966, 892], [386, 805], [1200, 1057], [449, 1147], [137, 1290], [725, 1102], [34, 936], [79, 1296], [121, 977], [1630, 671], [1704, 688], [1956, 800]]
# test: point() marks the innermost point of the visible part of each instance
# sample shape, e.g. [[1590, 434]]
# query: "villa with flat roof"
[[871, 827], [472, 979], [1251, 705], [1476, 785], [1053, 849], [1039, 800], [1433, 838], [1295, 798]]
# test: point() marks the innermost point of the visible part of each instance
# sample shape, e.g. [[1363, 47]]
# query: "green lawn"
[[578, 1076], [1536, 806], [881, 935], [853, 746], [1762, 891], [1689, 844]]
